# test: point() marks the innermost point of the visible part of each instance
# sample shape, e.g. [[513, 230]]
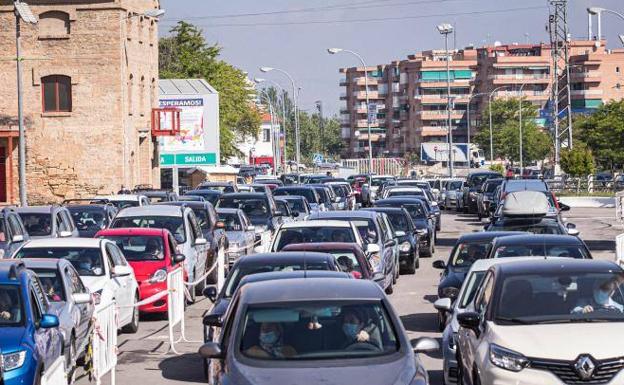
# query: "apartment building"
[[414, 111]]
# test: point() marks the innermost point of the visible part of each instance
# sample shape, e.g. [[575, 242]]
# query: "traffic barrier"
[[619, 249], [55, 375], [381, 166], [619, 207], [175, 308], [105, 342]]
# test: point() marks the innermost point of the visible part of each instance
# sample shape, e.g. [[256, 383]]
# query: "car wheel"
[[212, 277], [193, 292], [390, 289], [411, 269], [433, 242], [199, 288], [133, 326]]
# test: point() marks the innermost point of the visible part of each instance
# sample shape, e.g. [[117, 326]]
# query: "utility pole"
[[319, 106], [446, 29]]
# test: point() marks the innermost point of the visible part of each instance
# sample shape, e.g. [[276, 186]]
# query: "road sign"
[[372, 113], [189, 159], [317, 158]]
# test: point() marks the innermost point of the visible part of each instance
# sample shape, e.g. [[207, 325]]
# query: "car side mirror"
[[210, 292], [439, 264], [399, 233], [178, 258], [571, 228], [251, 228], [443, 304], [563, 207], [425, 345], [295, 214], [200, 241], [213, 320], [121, 271], [65, 234], [434, 204], [81, 298], [18, 238], [211, 350], [372, 248], [49, 321], [337, 199], [469, 320]]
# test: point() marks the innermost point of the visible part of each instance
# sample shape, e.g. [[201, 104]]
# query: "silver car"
[[70, 301], [240, 233]]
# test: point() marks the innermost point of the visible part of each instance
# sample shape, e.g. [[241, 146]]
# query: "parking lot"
[[144, 357]]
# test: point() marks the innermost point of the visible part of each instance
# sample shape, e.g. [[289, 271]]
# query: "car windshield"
[[223, 189], [490, 187], [465, 254], [454, 186], [297, 205], [367, 229], [323, 194], [282, 206], [231, 221], [472, 284], [37, 224], [541, 250], [416, 211], [250, 268], [531, 225], [561, 297], [52, 284], [399, 193], [379, 181], [254, 208], [209, 195], [400, 222], [140, 247], [338, 190], [478, 180], [259, 188], [343, 330], [313, 235], [10, 306], [87, 261], [307, 193], [202, 218], [158, 198], [348, 262], [120, 204], [175, 225], [88, 220]]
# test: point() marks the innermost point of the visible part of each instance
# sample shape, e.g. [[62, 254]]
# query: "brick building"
[[90, 73], [411, 95]]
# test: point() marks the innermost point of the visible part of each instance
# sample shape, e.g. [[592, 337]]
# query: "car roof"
[[323, 246], [132, 231], [245, 195], [151, 210], [36, 209], [385, 209], [546, 239], [483, 172], [203, 191], [485, 264], [286, 188], [216, 184], [88, 243], [121, 197], [526, 184], [278, 275], [400, 199], [92, 207], [6, 265], [285, 256], [191, 204], [310, 289], [290, 197], [227, 211], [563, 265], [344, 215], [319, 223], [487, 235]]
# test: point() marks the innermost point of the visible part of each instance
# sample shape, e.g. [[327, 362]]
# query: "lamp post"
[[272, 135], [333, 51], [598, 11], [520, 126], [294, 87], [446, 29], [491, 135], [468, 114], [283, 125]]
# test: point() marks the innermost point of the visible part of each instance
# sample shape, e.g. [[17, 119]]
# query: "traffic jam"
[[298, 273]]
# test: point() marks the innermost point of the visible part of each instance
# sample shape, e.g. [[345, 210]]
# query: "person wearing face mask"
[[601, 299], [358, 333], [270, 343]]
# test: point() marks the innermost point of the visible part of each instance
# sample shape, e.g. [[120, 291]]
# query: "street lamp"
[[274, 144], [333, 51], [446, 29], [520, 126], [283, 125], [468, 114], [295, 101], [598, 11], [491, 136]]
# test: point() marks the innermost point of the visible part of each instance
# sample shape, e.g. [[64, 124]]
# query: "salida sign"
[[188, 159]]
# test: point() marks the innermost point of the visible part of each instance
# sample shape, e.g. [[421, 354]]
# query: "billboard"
[[438, 152], [191, 137]]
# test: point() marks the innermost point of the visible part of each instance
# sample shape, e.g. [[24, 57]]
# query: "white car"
[[121, 201], [396, 191], [544, 322], [377, 181], [102, 268], [318, 232]]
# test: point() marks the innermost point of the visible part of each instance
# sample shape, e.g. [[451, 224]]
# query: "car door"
[[119, 286], [81, 313], [15, 229], [201, 251], [387, 245], [48, 340], [128, 282]]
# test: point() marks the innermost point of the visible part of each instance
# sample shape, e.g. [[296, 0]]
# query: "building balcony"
[[431, 131], [520, 79], [361, 95], [361, 81], [343, 96], [527, 62], [441, 99], [528, 95], [584, 93], [363, 123], [442, 83], [588, 77], [343, 82], [440, 114]]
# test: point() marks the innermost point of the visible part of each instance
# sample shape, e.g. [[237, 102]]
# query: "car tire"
[[133, 326], [390, 289], [213, 277], [411, 269], [199, 288], [193, 292]]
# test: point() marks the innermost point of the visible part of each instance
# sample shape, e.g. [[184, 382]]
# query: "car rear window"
[[11, 309], [37, 224], [313, 235]]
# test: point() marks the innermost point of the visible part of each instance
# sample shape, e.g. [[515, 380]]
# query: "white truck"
[[463, 153]]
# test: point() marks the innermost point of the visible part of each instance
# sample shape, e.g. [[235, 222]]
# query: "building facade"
[[90, 73], [409, 97]]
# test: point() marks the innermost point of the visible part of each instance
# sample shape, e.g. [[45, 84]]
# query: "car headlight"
[[450, 292], [12, 361], [405, 247], [507, 359], [159, 275], [97, 297]]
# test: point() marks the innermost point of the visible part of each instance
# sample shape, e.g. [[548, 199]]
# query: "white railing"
[[105, 342], [619, 207], [381, 166], [519, 76], [619, 249]]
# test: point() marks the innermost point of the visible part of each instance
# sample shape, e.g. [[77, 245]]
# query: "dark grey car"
[[13, 234], [48, 221], [326, 331]]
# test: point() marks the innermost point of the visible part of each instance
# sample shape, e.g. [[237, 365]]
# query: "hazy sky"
[[293, 34]]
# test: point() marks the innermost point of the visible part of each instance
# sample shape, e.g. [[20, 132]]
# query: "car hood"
[[145, 269], [12, 338], [398, 372], [560, 341]]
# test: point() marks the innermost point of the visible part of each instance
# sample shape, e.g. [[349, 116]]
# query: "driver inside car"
[[602, 298], [270, 343], [360, 334]]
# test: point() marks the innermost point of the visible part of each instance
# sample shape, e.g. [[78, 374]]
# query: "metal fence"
[[381, 166], [105, 342], [588, 184]]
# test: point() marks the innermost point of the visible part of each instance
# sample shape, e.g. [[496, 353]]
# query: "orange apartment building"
[[415, 109]]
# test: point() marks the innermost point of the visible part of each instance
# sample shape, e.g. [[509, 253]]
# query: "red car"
[[152, 254]]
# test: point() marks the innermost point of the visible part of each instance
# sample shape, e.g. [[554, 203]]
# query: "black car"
[[532, 245], [424, 221], [409, 244], [297, 204], [276, 182], [328, 198], [474, 181], [467, 249], [273, 263], [13, 232], [313, 344], [486, 196], [260, 208], [307, 192], [224, 187], [211, 196], [90, 217]]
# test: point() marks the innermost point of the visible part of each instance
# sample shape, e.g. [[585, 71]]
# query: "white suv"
[[545, 322], [102, 268]]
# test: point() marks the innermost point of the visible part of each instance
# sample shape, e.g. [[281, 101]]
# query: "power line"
[[380, 19]]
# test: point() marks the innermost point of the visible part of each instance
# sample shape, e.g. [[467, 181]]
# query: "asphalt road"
[[144, 358]]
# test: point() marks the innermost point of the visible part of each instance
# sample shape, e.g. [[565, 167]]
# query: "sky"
[[293, 35]]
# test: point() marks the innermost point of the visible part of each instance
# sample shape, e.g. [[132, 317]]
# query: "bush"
[[498, 168], [578, 161]]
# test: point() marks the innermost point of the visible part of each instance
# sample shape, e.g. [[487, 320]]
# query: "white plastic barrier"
[[619, 207], [105, 342], [55, 375], [619, 249]]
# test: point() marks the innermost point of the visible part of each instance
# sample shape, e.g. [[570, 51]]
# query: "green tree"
[[186, 54], [537, 144], [603, 133], [578, 161]]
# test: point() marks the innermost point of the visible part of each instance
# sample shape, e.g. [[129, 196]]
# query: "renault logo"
[[585, 367]]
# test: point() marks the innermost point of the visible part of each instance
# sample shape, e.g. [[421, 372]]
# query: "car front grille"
[[603, 374]]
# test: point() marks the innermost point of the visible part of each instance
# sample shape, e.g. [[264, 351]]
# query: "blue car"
[[30, 340]]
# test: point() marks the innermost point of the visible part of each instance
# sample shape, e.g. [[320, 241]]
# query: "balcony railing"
[[586, 92], [519, 76]]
